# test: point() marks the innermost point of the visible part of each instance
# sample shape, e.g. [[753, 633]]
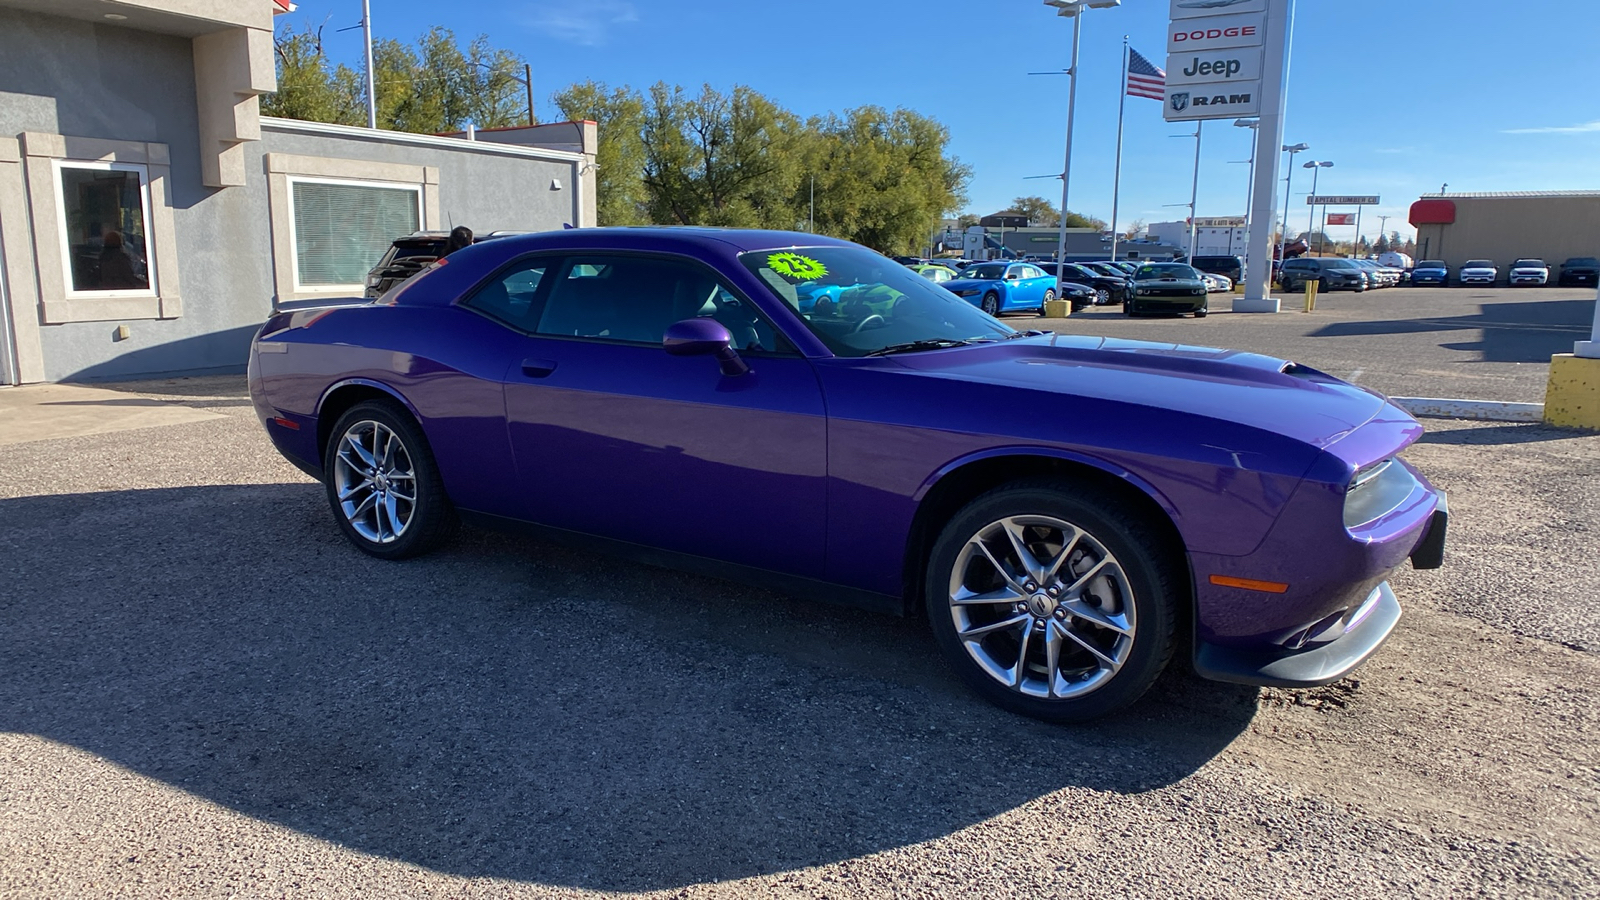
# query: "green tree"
[[720, 159], [1039, 211], [619, 118], [1079, 220], [307, 89], [1381, 245], [884, 178]]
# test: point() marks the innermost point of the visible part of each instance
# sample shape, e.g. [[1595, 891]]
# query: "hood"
[[1478, 268], [954, 283], [1231, 385], [1170, 282]]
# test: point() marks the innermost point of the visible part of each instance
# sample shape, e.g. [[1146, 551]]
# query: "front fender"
[[1095, 462]]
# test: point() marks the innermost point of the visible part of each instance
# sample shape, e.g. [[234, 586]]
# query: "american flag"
[[1144, 78]]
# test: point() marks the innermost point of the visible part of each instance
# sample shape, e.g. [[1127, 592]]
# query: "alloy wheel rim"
[[375, 481], [1042, 607]]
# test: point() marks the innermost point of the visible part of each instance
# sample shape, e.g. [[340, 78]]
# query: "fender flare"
[[1095, 462]]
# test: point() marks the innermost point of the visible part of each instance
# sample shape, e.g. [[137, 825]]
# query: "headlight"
[[1198, 292], [1377, 490]]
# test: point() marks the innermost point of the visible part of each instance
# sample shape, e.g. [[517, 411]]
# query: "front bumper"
[[1369, 626], [1529, 279], [1476, 279]]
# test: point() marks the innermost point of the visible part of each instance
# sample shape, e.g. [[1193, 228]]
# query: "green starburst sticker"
[[795, 266]]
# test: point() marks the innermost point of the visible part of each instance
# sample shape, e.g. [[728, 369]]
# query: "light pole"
[[1288, 186], [1316, 166], [1250, 187], [366, 33], [1072, 9]]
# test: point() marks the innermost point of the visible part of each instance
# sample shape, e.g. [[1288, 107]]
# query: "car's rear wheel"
[[383, 483], [1050, 601], [1049, 297], [991, 304]]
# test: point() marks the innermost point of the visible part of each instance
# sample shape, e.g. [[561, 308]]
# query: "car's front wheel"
[[1051, 601], [383, 483], [1202, 312], [991, 304]]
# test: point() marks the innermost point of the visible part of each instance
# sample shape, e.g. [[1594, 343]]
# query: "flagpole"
[[1116, 181]]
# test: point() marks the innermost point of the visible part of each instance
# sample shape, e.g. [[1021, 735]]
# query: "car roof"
[[670, 237]]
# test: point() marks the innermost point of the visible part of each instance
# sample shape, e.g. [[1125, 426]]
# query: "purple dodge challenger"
[[1068, 511]]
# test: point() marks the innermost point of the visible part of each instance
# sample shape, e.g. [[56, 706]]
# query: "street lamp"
[[1288, 185], [1072, 9], [1316, 166], [1250, 189]]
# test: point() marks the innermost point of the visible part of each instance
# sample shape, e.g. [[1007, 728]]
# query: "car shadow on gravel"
[[1484, 435], [509, 709]]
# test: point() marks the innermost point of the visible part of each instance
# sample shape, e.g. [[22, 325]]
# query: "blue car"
[[998, 287], [1430, 271]]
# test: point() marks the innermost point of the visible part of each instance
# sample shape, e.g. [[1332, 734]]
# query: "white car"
[[1217, 284], [1478, 271], [1529, 271]]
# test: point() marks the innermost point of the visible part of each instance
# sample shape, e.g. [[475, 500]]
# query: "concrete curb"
[[1483, 410]]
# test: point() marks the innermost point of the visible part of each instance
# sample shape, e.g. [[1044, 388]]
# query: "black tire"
[[1129, 310], [991, 304], [1153, 582], [432, 519], [1202, 312], [1049, 296]]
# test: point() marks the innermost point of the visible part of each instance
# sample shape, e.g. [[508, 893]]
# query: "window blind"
[[342, 230]]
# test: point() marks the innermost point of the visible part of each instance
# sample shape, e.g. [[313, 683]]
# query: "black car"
[[1579, 270], [1107, 288], [1168, 288], [1231, 266], [1331, 274], [409, 255]]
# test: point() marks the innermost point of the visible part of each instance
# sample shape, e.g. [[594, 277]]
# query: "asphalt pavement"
[[205, 691], [1473, 343]]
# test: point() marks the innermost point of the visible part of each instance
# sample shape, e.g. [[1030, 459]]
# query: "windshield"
[[1582, 261], [1531, 263], [1478, 264], [1431, 264], [1166, 270], [995, 271], [858, 302]]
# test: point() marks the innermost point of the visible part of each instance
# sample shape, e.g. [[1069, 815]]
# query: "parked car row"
[[1337, 274], [1579, 271]]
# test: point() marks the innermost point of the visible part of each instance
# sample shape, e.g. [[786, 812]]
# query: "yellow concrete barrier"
[[1572, 397], [1057, 309], [1311, 296]]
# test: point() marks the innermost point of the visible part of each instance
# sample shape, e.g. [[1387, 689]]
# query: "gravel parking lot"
[[204, 691], [1476, 343]]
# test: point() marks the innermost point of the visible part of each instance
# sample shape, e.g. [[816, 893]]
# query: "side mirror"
[[704, 337]]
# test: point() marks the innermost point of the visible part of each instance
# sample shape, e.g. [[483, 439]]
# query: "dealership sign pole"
[[1230, 58]]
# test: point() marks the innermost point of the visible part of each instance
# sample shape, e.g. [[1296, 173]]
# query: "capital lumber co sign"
[[1342, 200]]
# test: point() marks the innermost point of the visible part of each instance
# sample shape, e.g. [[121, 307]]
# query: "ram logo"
[[1180, 102]]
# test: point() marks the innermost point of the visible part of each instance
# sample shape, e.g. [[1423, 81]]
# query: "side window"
[[1031, 272], [509, 297], [633, 299], [1013, 273]]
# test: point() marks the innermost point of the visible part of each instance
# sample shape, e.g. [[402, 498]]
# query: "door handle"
[[538, 368]]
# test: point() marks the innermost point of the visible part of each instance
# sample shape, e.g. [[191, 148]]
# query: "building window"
[[341, 229], [105, 229]]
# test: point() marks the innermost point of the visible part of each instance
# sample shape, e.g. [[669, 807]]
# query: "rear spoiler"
[[289, 306]]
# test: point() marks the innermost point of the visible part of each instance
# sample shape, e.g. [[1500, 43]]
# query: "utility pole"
[[527, 82]]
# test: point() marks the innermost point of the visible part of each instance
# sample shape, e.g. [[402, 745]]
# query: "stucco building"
[[150, 217]]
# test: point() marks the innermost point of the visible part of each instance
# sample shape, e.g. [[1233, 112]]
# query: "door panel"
[[630, 443]]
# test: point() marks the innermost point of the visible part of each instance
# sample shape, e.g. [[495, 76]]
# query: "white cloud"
[[588, 24], [1585, 128]]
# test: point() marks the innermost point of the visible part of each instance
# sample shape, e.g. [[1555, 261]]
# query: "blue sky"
[[1402, 95]]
